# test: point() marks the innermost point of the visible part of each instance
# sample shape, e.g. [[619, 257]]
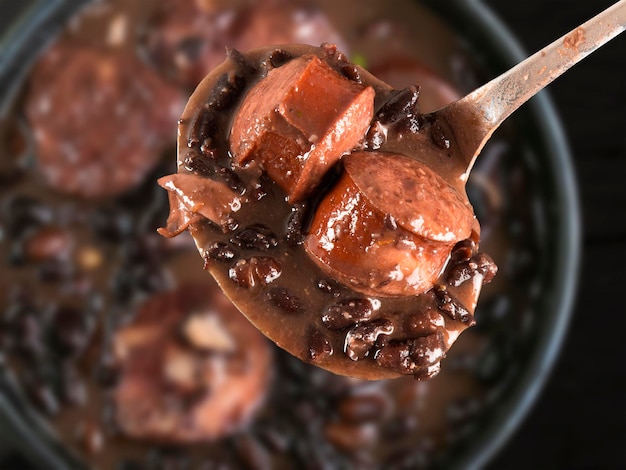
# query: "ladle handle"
[[493, 102]]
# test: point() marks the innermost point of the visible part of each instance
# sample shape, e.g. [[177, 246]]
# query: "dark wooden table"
[[579, 421]]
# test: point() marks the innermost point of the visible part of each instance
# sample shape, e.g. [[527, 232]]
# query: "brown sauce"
[[372, 327], [110, 261]]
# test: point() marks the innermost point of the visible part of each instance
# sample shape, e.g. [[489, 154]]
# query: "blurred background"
[[579, 420]]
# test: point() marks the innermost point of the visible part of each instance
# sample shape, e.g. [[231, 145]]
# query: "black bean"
[[427, 373], [230, 178], [148, 248], [284, 299], [217, 463], [15, 256], [208, 150], [411, 124], [257, 237], [42, 395], [407, 459], [279, 57], [252, 454], [226, 90], [23, 323], [485, 266], [329, 286], [22, 213], [351, 72], [191, 47], [229, 225], [482, 264], [462, 410], [413, 356], [293, 232], [139, 279], [423, 323], [346, 313], [399, 427], [220, 252], [107, 372], [204, 125], [13, 171], [151, 279], [255, 272], [361, 338], [108, 418], [376, 136], [463, 251], [350, 437], [390, 222], [73, 388], [363, 408], [438, 136], [205, 164], [70, 330], [90, 437], [129, 464], [111, 224], [307, 456], [243, 64], [51, 271], [276, 440], [452, 307], [199, 164], [340, 57], [381, 342], [257, 191], [319, 346], [306, 411], [4, 339], [461, 272], [329, 48], [123, 287], [401, 104], [168, 458]]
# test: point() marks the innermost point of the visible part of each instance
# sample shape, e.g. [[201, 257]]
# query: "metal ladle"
[[473, 119]]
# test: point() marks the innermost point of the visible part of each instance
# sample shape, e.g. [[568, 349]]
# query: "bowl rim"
[[475, 21]]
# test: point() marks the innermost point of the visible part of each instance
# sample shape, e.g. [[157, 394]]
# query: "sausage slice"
[[97, 129], [191, 368], [388, 225]]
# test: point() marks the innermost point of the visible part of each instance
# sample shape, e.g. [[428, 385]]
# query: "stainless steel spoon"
[[475, 117]]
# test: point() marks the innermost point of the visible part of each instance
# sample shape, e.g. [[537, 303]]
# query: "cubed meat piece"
[[299, 121], [191, 368], [388, 226]]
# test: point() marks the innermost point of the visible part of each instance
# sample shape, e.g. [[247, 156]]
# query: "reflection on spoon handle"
[[492, 103]]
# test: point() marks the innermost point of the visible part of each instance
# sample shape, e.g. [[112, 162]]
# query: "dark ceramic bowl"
[[541, 302]]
